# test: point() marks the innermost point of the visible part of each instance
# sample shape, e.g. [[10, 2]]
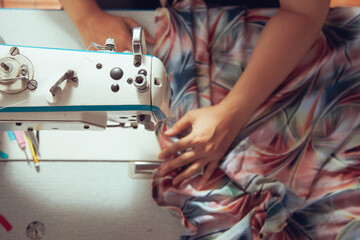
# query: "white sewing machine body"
[[45, 88]]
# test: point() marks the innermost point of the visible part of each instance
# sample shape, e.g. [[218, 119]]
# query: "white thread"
[[82, 60]]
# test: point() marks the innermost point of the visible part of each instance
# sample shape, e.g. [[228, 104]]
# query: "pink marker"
[[20, 139], [5, 223]]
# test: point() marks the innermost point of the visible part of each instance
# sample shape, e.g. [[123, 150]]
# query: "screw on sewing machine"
[[115, 88], [14, 51], [129, 80], [99, 66], [137, 63], [32, 84]]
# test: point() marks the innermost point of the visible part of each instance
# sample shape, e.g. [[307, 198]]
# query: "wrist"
[[236, 111], [80, 11], [235, 106], [246, 96], [87, 24], [90, 18]]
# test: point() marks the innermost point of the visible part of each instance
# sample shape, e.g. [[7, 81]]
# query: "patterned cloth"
[[293, 171]]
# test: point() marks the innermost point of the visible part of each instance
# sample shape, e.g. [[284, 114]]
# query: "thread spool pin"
[[4, 66]]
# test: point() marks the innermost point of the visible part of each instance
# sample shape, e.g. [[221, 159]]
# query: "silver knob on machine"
[[141, 83]]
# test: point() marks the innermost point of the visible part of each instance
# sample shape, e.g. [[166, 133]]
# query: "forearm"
[[80, 9], [285, 40]]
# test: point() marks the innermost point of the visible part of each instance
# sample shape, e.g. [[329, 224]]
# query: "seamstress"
[[284, 41]]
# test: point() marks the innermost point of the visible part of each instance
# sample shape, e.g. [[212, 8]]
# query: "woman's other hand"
[[95, 25], [98, 27]]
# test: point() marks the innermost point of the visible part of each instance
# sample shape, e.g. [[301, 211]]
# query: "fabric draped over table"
[[293, 171]]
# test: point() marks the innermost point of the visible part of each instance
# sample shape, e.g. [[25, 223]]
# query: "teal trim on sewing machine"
[[89, 108], [74, 50]]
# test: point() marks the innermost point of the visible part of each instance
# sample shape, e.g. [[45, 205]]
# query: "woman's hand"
[[95, 25], [98, 27], [213, 130]]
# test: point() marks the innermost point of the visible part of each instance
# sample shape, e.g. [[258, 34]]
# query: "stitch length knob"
[[116, 73], [141, 83]]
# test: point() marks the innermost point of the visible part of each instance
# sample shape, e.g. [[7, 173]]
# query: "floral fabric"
[[293, 171]]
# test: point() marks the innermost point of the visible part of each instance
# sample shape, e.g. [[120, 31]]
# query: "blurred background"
[[54, 4], [40, 4]]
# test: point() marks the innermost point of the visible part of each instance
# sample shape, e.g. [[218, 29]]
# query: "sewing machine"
[[57, 89], [92, 184]]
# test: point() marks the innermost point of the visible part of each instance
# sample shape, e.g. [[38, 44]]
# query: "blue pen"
[[3, 155], [11, 135]]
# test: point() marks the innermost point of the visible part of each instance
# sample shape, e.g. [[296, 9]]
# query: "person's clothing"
[[153, 4], [294, 170], [128, 4]]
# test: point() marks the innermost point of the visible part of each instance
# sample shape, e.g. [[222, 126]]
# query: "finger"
[[182, 145], [193, 169], [179, 126], [209, 171], [182, 160], [124, 47], [132, 23], [123, 42]]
